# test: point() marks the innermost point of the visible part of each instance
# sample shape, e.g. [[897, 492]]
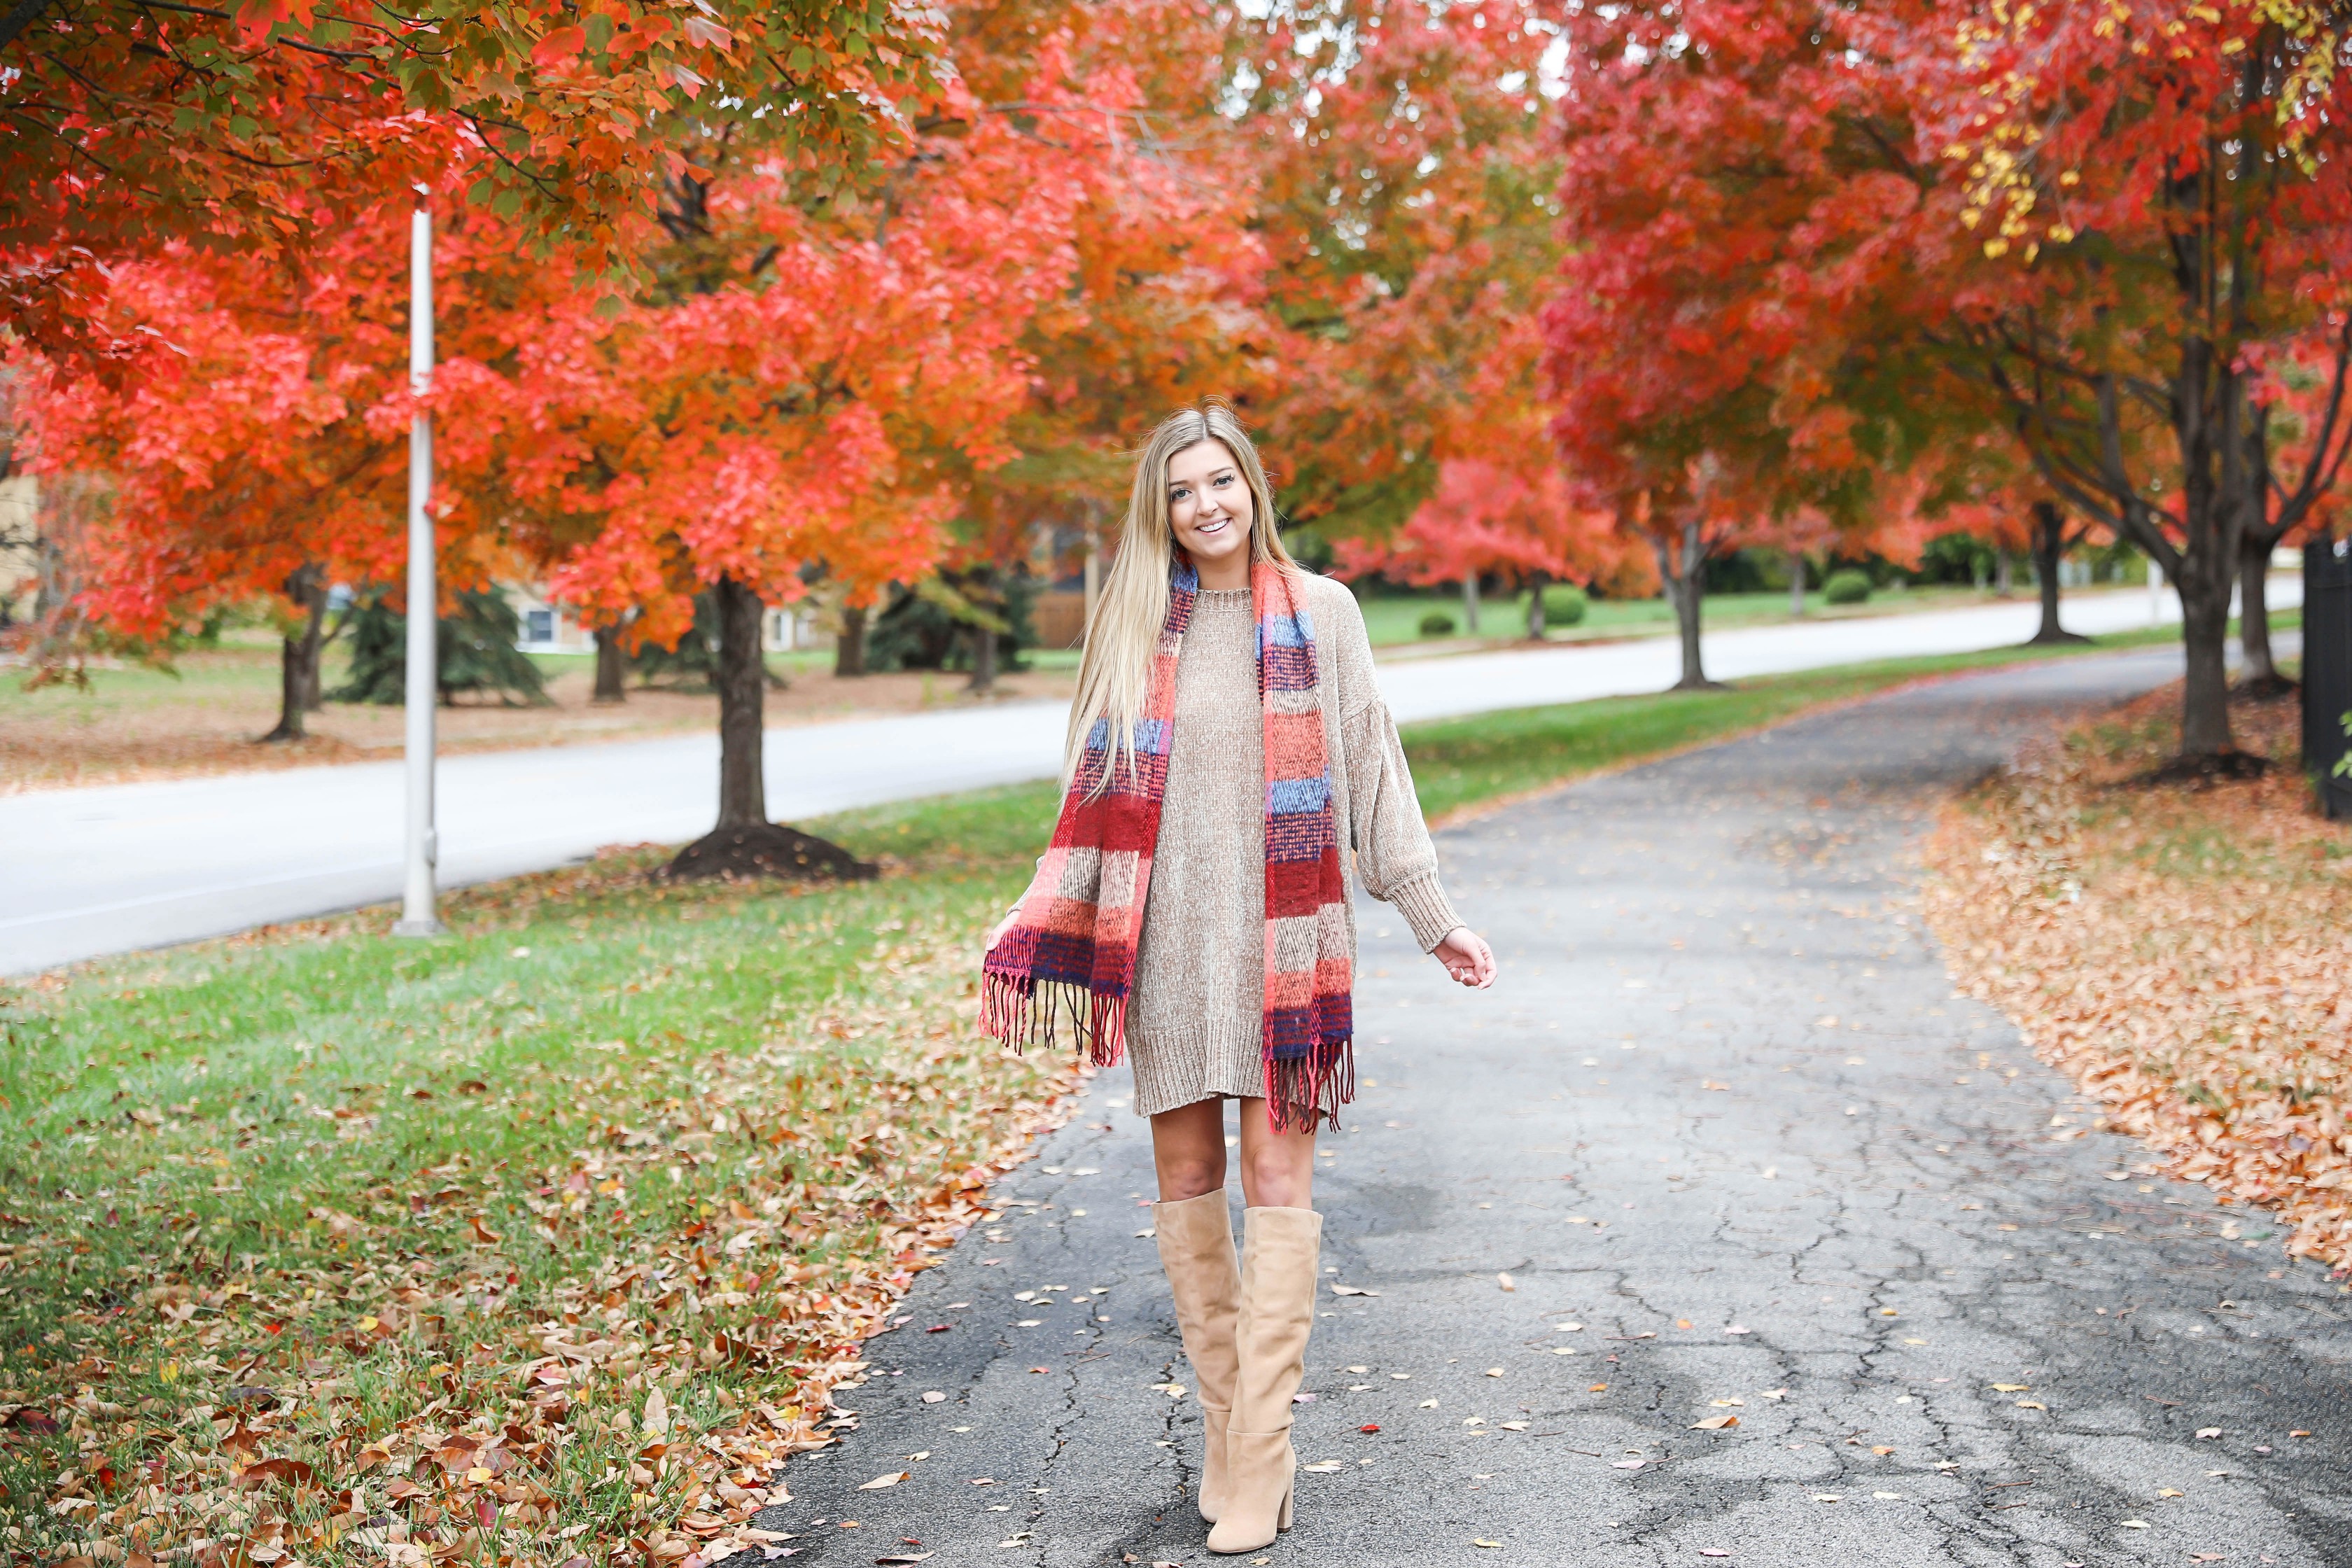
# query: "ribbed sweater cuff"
[[1426, 910]]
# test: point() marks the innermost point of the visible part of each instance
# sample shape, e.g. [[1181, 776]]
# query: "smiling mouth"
[[1216, 527]]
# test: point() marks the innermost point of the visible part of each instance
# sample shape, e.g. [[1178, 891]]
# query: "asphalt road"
[[1724, 1112], [85, 872]]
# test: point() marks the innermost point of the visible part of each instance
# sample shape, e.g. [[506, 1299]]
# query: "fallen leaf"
[[2134, 1524], [2171, 1491], [1506, 1281], [1827, 1497], [1494, 1371], [1883, 1451], [897, 1558], [2032, 1404], [1774, 1393], [1598, 1388], [1369, 1426], [1888, 1497], [878, 1482], [2208, 1431], [2010, 1387], [1627, 1464], [1715, 1424], [1515, 1426], [1682, 1323], [1713, 1552], [1352, 1290], [1476, 1541], [1323, 1468], [933, 1397]]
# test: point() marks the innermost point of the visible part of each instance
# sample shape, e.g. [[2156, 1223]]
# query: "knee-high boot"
[[1279, 1248], [1196, 1249]]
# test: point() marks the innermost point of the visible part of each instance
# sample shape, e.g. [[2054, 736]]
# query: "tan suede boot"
[[1279, 1248], [1196, 1249]]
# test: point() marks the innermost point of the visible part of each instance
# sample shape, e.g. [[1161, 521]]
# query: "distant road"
[[85, 872]]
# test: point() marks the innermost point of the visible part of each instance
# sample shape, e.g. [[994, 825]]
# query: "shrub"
[[1564, 605], [1437, 624], [476, 652], [1848, 586]]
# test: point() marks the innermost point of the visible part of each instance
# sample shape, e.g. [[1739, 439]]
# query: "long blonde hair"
[[1115, 673]]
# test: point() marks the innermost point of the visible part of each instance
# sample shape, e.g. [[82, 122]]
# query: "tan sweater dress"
[[1193, 1020]]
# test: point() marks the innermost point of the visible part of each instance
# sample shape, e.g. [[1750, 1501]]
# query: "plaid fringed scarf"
[[1071, 955]]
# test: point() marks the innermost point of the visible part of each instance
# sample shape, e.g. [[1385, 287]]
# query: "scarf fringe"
[[1301, 1091], [1022, 1012]]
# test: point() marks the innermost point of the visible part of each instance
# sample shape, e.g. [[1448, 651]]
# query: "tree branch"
[[21, 16]]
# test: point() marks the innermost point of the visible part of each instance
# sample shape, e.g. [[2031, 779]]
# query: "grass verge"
[[2177, 952], [548, 1241]]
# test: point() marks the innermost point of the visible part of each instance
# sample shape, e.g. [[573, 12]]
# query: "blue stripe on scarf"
[[1285, 797]]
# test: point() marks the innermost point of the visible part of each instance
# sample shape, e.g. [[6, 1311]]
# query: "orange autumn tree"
[[1406, 207], [254, 446], [809, 390], [260, 128], [1163, 302]]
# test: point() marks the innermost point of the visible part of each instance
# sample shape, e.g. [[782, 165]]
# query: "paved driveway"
[[1722, 1143], [112, 868]]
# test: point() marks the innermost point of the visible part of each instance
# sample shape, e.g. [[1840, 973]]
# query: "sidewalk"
[[114, 868], [1718, 1229]]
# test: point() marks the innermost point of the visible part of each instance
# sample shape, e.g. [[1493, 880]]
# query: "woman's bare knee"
[[1182, 1179], [1188, 1151]]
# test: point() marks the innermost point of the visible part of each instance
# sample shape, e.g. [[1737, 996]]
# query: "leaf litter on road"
[[2177, 950]]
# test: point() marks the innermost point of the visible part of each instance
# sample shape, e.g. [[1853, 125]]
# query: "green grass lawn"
[[378, 1208], [1395, 619]]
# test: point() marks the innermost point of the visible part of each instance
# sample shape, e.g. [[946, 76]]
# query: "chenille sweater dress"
[[1193, 1018]]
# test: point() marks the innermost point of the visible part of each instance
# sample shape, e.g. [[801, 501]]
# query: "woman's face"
[[1210, 507]]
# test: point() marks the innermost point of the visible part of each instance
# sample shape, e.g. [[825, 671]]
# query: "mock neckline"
[[1221, 598]]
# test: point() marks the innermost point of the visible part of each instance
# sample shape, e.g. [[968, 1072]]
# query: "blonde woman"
[[1227, 743]]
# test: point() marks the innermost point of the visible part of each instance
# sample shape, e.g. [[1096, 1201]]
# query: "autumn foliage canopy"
[[816, 297]]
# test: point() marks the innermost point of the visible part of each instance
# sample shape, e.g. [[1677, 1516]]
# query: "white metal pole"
[[416, 915]]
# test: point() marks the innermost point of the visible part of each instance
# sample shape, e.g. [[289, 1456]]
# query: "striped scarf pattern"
[[1069, 958]]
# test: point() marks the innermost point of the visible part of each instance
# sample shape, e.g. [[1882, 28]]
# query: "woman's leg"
[[1196, 1247], [1279, 1252], [1188, 1147], [1277, 1168]]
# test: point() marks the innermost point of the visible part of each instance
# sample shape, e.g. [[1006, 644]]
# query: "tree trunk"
[[612, 670], [2049, 549], [1537, 583], [2004, 581], [297, 656], [849, 648], [983, 662], [2204, 639], [2259, 670], [1796, 583], [743, 711], [1470, 603], [1686, 583]]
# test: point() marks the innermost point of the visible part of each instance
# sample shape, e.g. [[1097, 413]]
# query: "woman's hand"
[[996, 933], [1466, 958]]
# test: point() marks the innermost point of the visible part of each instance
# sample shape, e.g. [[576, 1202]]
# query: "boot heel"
[[1283, 1521]]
